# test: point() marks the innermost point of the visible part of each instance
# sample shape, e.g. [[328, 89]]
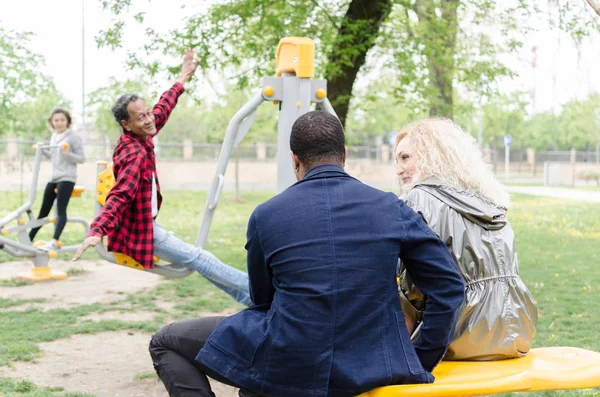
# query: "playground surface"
[[104, 364]]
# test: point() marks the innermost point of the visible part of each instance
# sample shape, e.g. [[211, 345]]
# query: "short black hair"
[[63, 111], [318, 137], [120, 109]]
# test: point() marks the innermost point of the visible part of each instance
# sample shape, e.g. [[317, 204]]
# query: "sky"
[[563, 73]]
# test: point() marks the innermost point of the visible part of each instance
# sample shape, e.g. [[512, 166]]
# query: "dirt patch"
[[104, 364], [119, 315], [99, 281]]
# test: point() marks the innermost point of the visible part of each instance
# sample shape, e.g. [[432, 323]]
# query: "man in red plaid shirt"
[[128, 216]]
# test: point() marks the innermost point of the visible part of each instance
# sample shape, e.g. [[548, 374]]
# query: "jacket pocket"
[[412, 360], [242, 345]]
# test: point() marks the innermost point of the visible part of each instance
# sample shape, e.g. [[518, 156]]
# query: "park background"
[[498, 68]]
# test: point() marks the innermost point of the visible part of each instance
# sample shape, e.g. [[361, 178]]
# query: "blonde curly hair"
[[445, 152]]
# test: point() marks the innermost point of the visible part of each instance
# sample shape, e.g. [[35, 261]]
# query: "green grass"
[[518, 183], [23, 330], [24, 388], [557, 244], [593, 188], [73, 271], [181, 212], [541, 184], [5, 303], [145, 375], [12, 282]]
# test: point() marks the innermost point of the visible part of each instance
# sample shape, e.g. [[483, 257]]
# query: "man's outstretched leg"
[[174, 250]]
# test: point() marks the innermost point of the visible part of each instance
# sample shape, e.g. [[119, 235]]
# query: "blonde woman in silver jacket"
[[443, 177]]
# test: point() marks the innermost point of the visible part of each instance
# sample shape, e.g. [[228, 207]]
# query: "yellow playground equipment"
[[294, 90], [105, 181], [21, 246], [546, 368]]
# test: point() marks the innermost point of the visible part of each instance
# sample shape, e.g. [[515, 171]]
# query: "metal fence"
[[184, 151], [18, 154]]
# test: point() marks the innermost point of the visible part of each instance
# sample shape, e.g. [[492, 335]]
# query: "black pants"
[[62, 196], [174, 349]]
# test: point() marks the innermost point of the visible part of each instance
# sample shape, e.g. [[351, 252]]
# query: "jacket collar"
[[431, 181], [131, 137], [324, 170]]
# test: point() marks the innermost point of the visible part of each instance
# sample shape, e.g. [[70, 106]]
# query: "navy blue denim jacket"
[[327, 320]]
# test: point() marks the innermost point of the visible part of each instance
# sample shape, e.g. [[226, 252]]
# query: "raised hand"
[[189, 67]]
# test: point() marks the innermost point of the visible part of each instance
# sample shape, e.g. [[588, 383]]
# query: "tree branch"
[[594, 5], [411, 34], [333, 21]]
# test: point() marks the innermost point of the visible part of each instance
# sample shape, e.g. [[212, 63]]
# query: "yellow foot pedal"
[[41, 274]]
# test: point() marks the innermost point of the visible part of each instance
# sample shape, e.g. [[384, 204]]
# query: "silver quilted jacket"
[[498, 317]]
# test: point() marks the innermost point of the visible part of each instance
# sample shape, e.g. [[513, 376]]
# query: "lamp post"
[[83, 130]]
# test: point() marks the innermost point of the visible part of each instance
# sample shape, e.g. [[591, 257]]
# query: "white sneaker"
[[49, 246]]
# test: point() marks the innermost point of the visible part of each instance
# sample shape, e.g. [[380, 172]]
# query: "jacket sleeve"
[[76, 154], [162, 110], [432, 269], [120, 196], [260, 275], [411, 298]]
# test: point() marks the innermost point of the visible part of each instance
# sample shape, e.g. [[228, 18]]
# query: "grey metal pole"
[[32, 189], [507, 161], [296, 101], [326, 106], [228, 144]]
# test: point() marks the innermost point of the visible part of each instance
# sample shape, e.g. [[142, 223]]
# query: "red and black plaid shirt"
[[127, 214]]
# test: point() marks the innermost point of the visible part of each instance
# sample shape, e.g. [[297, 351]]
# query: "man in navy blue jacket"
[[326, 319]]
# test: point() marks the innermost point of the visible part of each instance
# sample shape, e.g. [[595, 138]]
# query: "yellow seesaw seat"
[[547, 368]]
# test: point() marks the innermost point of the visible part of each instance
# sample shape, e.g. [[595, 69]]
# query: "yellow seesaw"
[[546, 368]]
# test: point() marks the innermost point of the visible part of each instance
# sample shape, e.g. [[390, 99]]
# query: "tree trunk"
[[356, 36], [440, 39], [595, 6]]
